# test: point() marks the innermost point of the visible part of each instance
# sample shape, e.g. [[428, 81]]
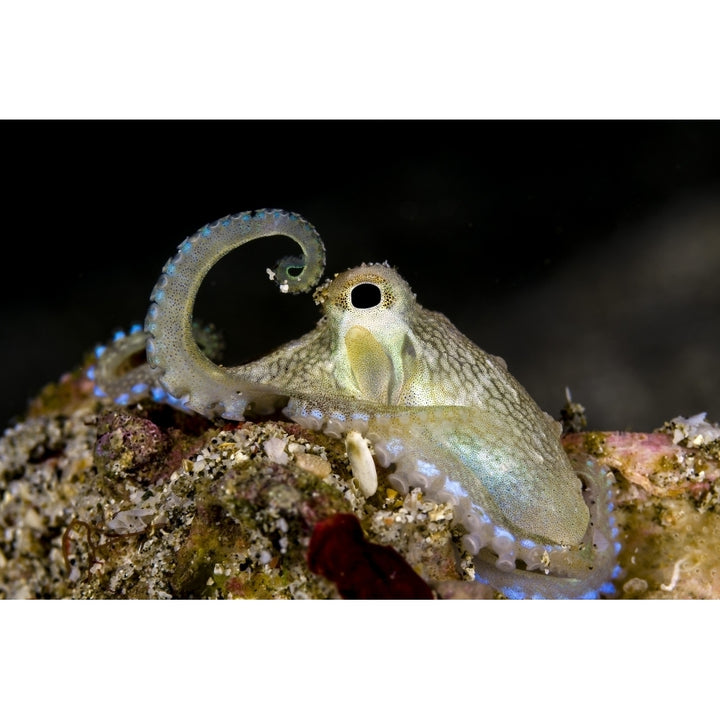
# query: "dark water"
[[586, 254]]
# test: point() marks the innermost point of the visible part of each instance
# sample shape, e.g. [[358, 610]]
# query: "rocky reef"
[[147, 501]]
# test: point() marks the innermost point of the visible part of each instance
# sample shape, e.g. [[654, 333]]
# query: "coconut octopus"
[[447, 416]]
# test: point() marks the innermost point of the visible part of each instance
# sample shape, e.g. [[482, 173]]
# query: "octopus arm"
[[537, 526], [591, 570], [184, 371]]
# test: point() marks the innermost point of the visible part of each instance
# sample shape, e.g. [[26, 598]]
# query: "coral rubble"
[[101, 501], [145, 501]]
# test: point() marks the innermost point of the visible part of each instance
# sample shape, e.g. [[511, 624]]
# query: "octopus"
[[383, 372]]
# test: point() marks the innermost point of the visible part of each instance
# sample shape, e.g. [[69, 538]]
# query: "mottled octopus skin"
[[449, 417]]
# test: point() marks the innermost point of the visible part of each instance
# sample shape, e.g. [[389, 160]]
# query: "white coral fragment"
[[275, 450], [695, 430], [361, 463]]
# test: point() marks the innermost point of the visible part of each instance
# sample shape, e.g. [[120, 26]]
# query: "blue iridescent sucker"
[[449, 416], [121, 373]]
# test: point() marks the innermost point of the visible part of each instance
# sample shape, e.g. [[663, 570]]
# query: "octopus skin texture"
[[443, 414]]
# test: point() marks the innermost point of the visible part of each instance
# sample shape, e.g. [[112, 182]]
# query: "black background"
[[587, 254]]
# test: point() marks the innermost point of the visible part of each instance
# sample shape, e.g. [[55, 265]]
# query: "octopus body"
[[447, 416]]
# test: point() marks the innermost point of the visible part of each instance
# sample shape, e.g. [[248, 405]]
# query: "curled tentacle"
[[585, 571], [184, 371]]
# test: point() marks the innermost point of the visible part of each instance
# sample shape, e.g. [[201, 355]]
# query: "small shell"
[[361, 463]]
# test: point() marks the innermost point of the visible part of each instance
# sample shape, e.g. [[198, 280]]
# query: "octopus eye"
[[365, 295]]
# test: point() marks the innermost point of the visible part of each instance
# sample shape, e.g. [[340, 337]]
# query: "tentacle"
[[587, 573], [422, 448], [184, 371], [121, 371]]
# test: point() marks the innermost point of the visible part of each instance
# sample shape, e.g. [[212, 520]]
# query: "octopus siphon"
[[447, 416]]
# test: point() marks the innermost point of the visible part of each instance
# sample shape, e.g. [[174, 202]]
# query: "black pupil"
[[365, 295]]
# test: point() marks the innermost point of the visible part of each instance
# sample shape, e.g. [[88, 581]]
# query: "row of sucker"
[[122, 374], [560, 572], [120, 371]]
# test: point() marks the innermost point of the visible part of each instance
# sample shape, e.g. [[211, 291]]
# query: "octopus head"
[[369, 310]]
